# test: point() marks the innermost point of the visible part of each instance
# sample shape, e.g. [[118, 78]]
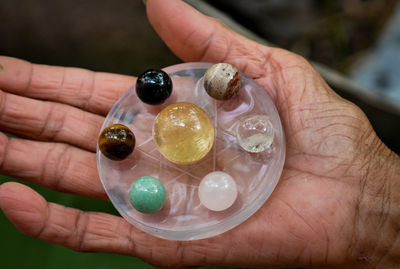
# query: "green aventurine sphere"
[[147, 194]]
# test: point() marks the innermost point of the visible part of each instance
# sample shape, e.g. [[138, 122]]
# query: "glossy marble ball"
[[116, 142], [255, 133], [153, 86], [183, 133], [217, 191], [222, 81], [147, 195]]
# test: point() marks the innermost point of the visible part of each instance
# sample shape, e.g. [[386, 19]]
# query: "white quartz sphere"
[[217, 191]]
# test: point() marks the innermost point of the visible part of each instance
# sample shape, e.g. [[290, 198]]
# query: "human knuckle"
[[81, 223], [4, 141], [3, 102], [63, 161]]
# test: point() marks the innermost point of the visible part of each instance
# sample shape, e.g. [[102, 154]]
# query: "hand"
[[336, 205]]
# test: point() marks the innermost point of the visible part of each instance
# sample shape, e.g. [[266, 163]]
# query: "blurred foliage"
[[343, 31], [335, 33]]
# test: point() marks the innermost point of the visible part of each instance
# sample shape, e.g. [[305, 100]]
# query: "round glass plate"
[[183, 217]]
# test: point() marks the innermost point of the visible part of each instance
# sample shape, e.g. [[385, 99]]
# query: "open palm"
[[312, 218]]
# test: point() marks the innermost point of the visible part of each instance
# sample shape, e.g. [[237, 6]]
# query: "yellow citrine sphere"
[[183, 133]]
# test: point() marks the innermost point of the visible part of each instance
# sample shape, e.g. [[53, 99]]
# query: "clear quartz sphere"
[[183, 216], [255, 133]]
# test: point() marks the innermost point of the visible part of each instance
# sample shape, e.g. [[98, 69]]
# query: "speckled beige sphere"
[[222, 81]]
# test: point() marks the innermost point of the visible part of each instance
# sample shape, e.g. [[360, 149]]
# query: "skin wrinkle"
[[131, 240], [278, 254], [327, 239], [389, 217], [5, 146], [58, 122], [211, 52], [50, 90], [325, 177], [245, 67], [298, 215], [315, 106], [285, 112], [43, 173], [267, 63], [46, 121], [347, 170], [45, 222], [3, 102], [54, 126], [81, 223], [307, 154], [336, 169], [358, 219], [229, 49], [81, 86], [63, 164], [91, 91], [206, 44], [30, 78], [383, 216], [366, 139], [229, 252], [393, 248], [303, 93], [90, 130], [64, 71], [95, 126], [61, 228], [336, 117], [181, 252]]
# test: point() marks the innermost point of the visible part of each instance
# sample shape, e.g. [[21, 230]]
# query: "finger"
[[72, 228], [56, 166], [49, 121], [79, 230], [193, 36], [94, 92]]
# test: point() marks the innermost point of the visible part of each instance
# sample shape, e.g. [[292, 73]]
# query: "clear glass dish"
[[183, 217]]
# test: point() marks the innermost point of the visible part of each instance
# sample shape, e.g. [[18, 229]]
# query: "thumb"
[[193, 36]]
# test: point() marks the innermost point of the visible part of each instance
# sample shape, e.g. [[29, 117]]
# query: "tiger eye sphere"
[[222, 81], [183, 133], [153, 87], [117, 142]]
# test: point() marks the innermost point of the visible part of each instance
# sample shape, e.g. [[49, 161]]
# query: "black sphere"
[[153, 87]]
